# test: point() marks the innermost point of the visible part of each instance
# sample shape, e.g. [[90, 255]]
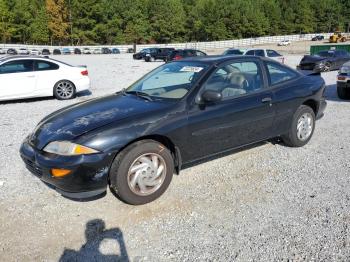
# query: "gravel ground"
[[266, 203]]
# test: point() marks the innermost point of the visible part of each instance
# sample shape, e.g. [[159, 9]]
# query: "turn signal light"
[[60, 172], [341, 77], [84, 73]]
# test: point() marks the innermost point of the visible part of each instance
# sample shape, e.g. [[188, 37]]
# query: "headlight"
[[345, 70], [66, 148], [321, 63]]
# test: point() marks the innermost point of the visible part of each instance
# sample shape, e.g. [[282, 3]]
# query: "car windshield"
[[325, 53], [172, 80]]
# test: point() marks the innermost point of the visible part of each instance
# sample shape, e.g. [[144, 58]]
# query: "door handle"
[[266, 100], [31, 76]]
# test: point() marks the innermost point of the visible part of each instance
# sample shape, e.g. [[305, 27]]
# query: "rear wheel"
[[343, 93], [64, 90], [302, 128], [142, 172]]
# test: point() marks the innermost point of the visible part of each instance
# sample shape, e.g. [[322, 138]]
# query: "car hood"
[[312, 58], [75, 120]]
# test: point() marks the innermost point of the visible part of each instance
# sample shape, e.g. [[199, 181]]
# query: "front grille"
[[32, 167]]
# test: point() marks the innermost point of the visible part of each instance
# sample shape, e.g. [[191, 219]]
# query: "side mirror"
[[210, 96]]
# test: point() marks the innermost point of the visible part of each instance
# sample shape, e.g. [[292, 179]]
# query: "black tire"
[[343, 93], [119, 173], [291, 139], [57, 90]]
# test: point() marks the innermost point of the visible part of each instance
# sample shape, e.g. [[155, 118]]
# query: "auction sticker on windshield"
[[194, 69]]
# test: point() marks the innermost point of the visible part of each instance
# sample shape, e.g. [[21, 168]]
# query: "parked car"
[[66, 51], [97, 51], [318, 38], [115, 51], [86, 51], [141, 55], [178, 114], [45, 52], [284, 43], [158, 54], [56, 52], [324, 61], [29, 76], [266, 53], [106, 50], [23, 51], [183, 53], [35, 52], [343, 81], [12, 51], [234, 51], [130, 50], [2, 51], [77, 51]]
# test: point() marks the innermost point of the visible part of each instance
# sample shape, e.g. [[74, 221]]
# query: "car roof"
[[19, 57]]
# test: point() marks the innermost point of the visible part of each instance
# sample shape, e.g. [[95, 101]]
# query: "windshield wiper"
[[139, 94]]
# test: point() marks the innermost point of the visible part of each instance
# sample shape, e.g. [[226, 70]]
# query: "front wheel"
[[302, 128], [343, 93], [64, 90], [142, 172]]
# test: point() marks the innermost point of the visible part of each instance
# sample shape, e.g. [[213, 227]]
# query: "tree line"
[[88, 22]]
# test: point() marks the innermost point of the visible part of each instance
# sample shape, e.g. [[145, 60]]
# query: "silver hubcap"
[[146, 174], [65, 89], [305, 126]]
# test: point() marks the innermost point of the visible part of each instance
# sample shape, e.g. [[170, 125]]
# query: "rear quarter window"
[[279, 73], [45, 66]]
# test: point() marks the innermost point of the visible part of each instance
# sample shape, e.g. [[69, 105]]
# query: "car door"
[[285, 86], [244, 115], [17, 79]]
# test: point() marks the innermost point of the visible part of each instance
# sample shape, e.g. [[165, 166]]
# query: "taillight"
[[84, 73], [177, 57]]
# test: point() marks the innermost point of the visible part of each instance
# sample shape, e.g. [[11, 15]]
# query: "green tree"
[[6, 27], [57, 20], [38, 29]]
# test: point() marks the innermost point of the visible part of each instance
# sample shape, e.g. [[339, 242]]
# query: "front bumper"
[[88, 178]]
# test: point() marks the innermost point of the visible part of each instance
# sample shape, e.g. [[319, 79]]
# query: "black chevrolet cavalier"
[[181, 112]]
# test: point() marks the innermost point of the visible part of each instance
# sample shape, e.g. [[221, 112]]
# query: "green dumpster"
[[317, 48]]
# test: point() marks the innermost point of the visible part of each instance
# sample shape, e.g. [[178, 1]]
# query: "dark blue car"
[[180, 113]]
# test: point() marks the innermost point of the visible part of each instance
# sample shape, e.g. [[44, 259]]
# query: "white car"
[[266, 53], [86, 51], [97, 51], [35, 52], [27, 76], [23, 51], [284, 43]]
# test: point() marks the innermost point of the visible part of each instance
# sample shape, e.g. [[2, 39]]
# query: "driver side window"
[[235, 79]]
